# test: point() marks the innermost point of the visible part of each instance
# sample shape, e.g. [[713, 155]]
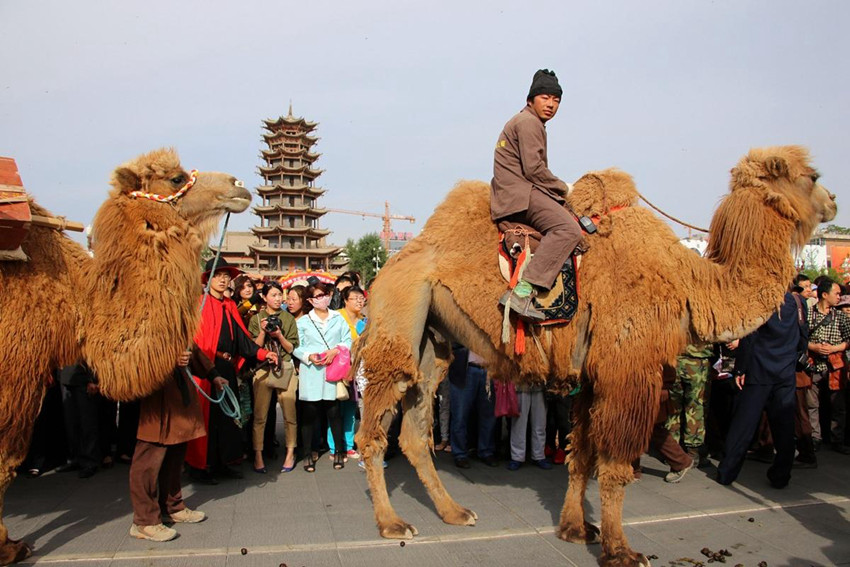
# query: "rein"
[[227, 400], [193, 176], [672, 218]]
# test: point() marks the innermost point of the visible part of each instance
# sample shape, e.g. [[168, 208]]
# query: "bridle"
[[193, 176]]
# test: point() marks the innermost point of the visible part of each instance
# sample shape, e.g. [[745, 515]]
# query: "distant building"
[[288, 236]]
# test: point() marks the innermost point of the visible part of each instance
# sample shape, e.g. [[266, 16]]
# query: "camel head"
[[781, 181], [201, 205]]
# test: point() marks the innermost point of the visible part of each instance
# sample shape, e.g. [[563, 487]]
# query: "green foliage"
[[362, 255], [206, 254], [815, 273], [835, 229]]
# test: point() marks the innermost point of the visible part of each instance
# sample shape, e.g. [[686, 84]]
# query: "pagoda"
[[289, 236]]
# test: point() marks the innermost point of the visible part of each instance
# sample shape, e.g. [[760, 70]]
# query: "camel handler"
[[168, 420], [525, 191]]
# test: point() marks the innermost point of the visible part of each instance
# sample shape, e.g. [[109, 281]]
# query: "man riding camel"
[[525, 191]]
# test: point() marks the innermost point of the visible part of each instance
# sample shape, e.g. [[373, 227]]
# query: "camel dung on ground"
[[127, 312], [643, 297]]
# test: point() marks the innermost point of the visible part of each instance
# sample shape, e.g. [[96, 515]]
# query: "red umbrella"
[[299, 277]]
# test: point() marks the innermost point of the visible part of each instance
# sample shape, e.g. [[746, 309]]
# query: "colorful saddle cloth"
[[517, 243]]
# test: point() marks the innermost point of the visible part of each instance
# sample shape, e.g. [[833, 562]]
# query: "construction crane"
[[386, 217]]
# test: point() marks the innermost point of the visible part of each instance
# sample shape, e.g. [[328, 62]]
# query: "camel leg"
[[11, 551], [372, 443], [573, 527], [416, 439], [614, 475]]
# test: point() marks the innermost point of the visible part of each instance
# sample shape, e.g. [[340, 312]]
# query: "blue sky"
[[411, 96]]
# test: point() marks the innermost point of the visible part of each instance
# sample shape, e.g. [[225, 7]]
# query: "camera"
[[272, 323], [803, 363]]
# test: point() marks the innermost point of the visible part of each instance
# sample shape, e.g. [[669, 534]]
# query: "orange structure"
[[386, 233]]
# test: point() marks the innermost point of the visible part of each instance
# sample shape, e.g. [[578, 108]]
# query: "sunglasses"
[[321, 295]]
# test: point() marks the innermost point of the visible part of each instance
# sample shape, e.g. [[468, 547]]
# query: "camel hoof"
[[624, 558], [586, 534], [460, 517], [399, 530], [13, 551]]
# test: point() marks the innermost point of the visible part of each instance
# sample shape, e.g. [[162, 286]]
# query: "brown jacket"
[[520, 164], [163, 417]]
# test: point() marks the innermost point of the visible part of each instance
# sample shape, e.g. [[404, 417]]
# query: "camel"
[[127, 312], [643, 297]]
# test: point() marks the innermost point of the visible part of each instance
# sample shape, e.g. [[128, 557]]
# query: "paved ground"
[[320, 519]]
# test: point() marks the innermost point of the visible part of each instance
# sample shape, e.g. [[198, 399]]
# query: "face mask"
[[321, 302]]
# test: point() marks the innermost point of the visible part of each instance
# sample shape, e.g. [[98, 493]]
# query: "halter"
[[193, 176]]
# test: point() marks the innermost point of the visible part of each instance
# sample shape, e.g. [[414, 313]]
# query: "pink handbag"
[[338, 369]]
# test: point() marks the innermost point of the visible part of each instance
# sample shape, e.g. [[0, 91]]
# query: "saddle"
[[517, 243]]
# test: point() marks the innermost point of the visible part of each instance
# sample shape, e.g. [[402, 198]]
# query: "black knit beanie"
[[544, 82]]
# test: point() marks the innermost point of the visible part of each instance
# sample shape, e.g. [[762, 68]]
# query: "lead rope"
[[671, 217], [227, 400]]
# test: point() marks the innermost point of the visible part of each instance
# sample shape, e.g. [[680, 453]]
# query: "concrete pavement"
[[325, 519]]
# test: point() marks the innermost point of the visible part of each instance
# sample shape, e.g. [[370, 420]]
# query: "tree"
[[815, 273], [366, 255], [835, 229]]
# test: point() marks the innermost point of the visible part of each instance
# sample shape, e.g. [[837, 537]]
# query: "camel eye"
[[815, 177], [179, 180]]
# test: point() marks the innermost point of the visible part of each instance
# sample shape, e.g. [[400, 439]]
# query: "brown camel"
[[643, 298], [128, 312]]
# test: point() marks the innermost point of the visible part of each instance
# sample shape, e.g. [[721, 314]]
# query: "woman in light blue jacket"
[[320, 333]]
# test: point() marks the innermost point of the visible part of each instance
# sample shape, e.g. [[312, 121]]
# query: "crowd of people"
[[273, 346]]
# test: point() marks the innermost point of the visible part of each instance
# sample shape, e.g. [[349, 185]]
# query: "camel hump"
[[597, 192]]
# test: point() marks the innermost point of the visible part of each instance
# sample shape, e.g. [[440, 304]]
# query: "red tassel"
[[519, 345]]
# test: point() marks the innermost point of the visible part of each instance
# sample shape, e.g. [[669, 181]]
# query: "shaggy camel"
[[444, 286], [128, 312]]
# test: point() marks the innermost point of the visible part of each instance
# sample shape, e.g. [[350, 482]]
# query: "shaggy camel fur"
[[128, 312], [444, 286]]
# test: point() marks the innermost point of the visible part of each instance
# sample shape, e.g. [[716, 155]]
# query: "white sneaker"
[[158, 532], [185, 516], [676, 476]]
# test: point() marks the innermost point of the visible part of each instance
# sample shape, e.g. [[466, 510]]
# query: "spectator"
[[764, 374], [469, 388], [444, 397], [48, 447], [296, 301], [803, 286], [80, 397], [532, 407], [246, 296], [168, 419], [320, 333], [223, 338], [844, 307], [283, 336], [662, 442], [806, 457], [829, 334], [688, 396], [557, 426], [353, 300], [342, 283], [128, 424]]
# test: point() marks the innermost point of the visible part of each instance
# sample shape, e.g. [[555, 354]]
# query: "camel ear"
[[776, 167], [126, 180]]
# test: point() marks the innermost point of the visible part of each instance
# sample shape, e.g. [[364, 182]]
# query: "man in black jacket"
[[765, 374], [80, 405]]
